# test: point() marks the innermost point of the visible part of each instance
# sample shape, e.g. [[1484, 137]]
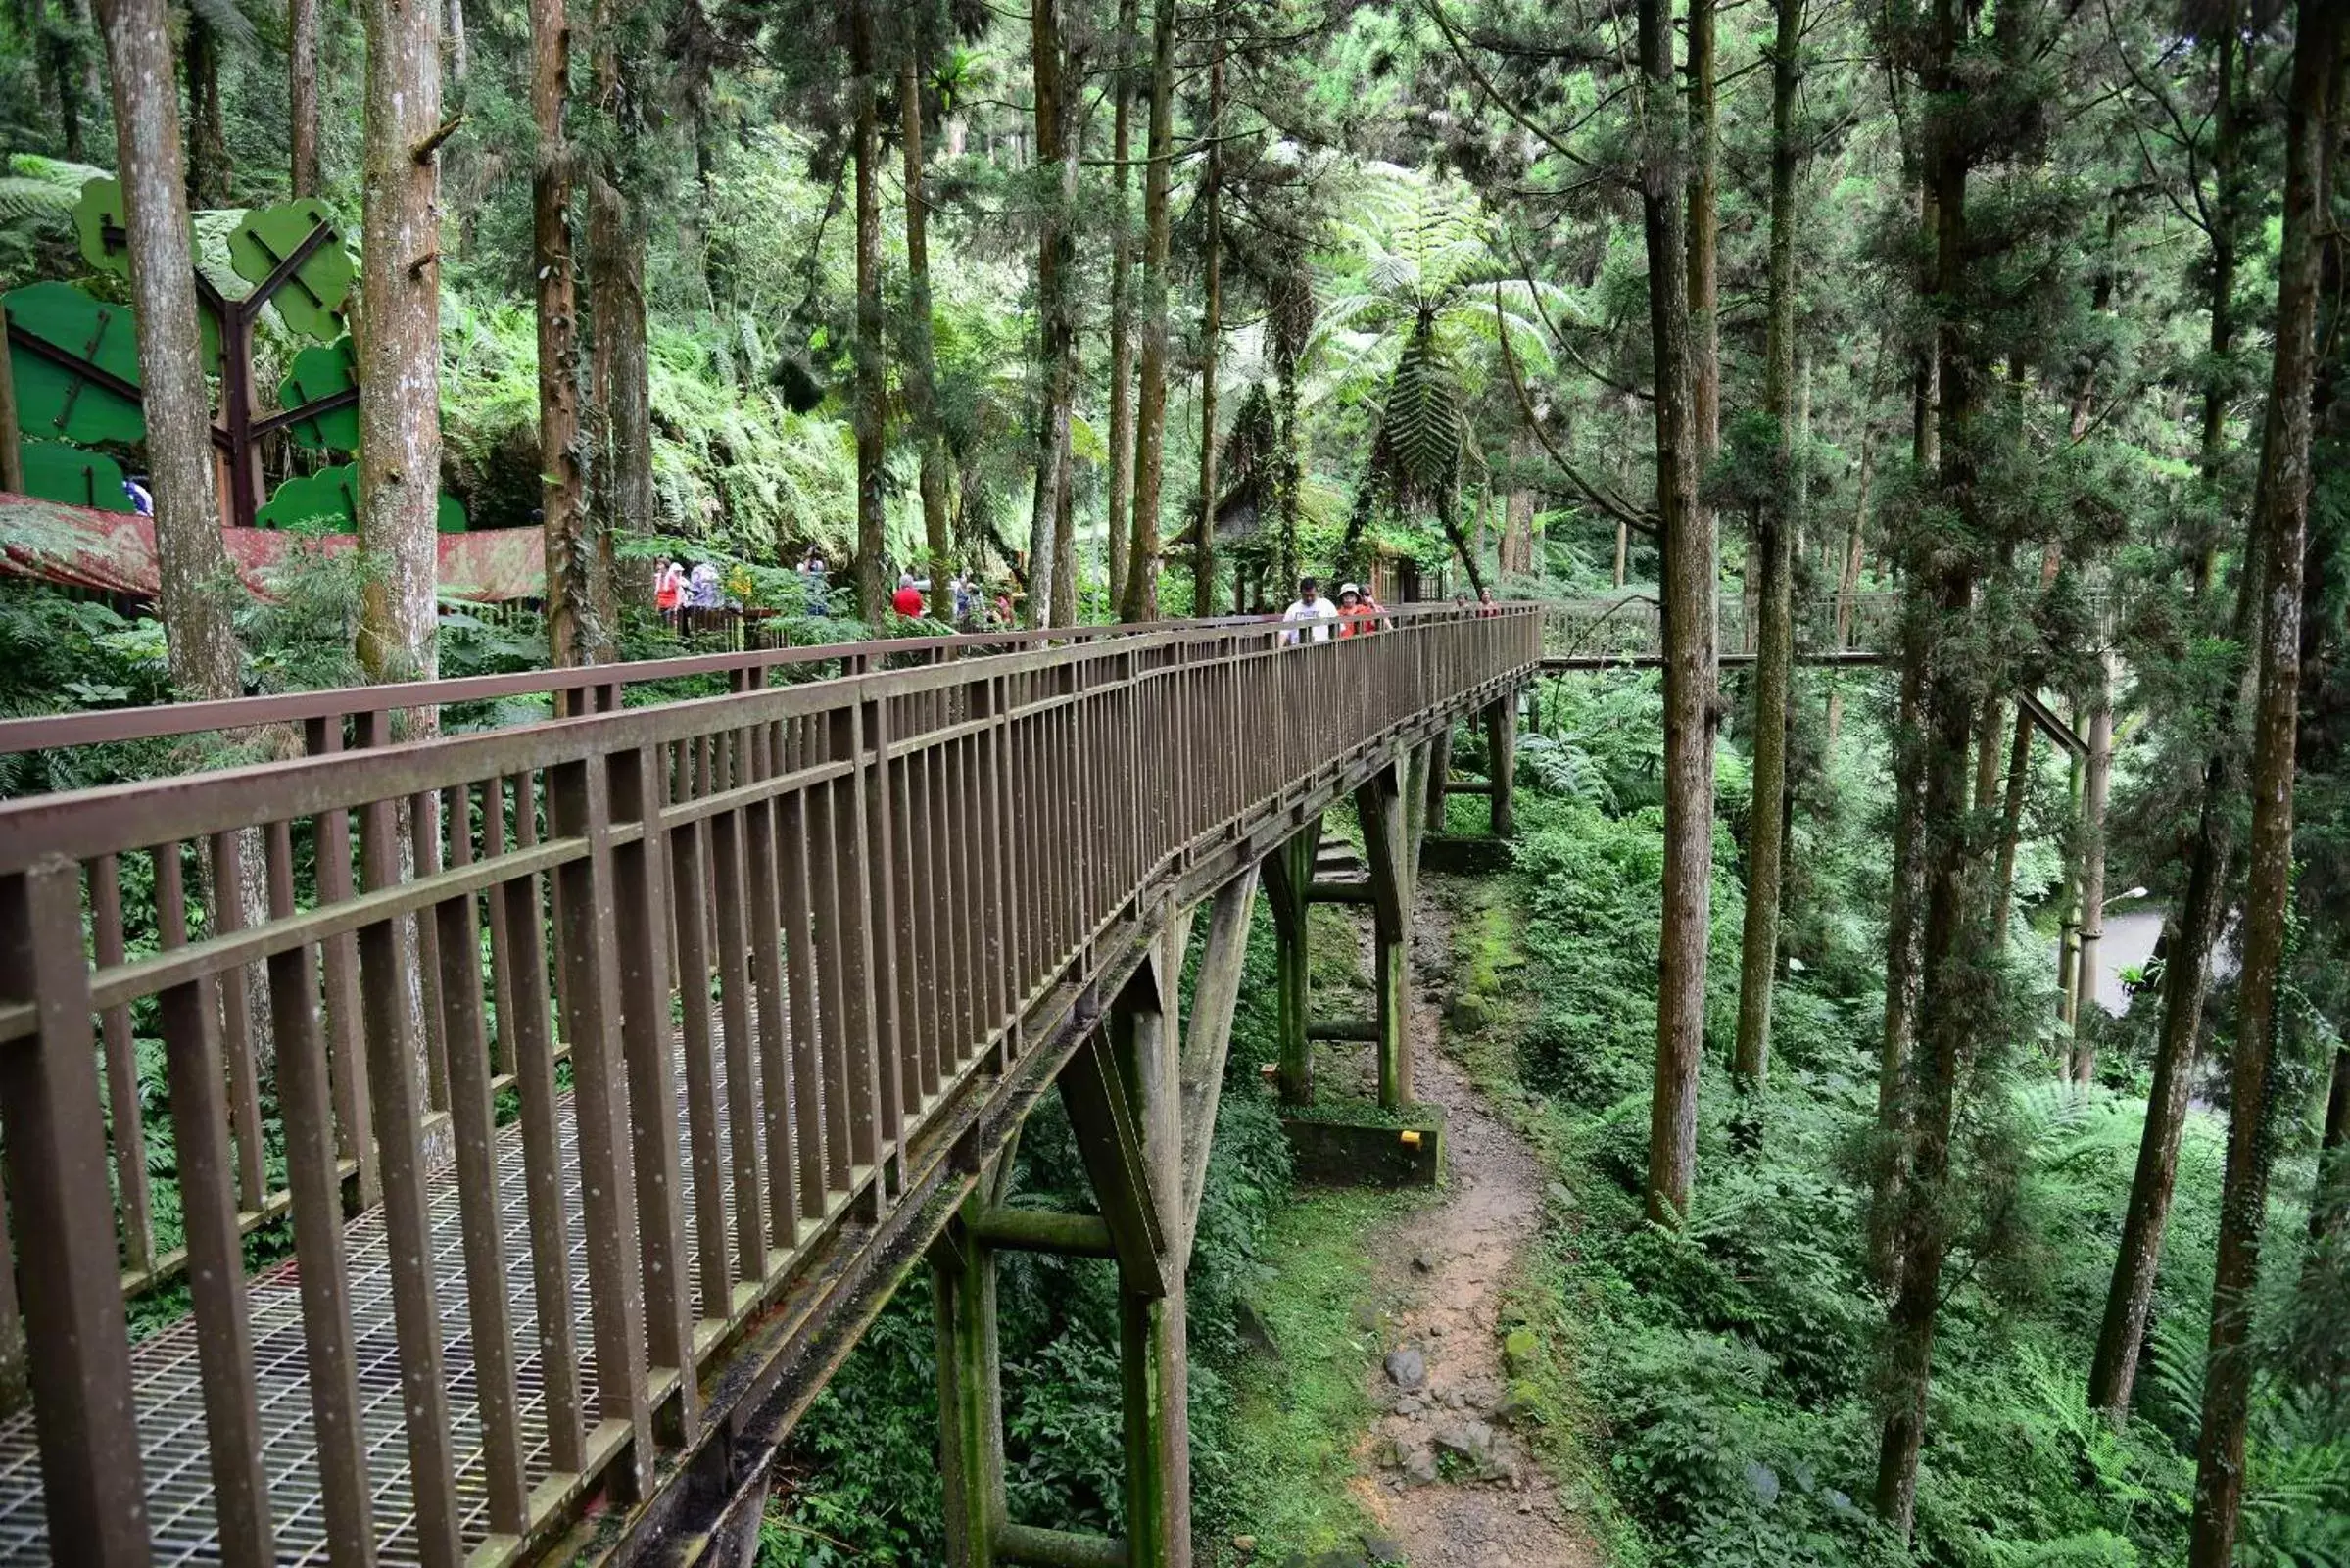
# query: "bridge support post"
[[1288, 877], [1501, 753], [1380, 804], [971, 1431], [1439, 776], [1153, 1355]]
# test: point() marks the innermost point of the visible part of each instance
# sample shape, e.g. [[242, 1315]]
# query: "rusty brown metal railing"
[[881, 892]]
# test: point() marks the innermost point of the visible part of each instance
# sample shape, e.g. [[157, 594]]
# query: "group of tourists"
[[689, 600], [1316, 619]]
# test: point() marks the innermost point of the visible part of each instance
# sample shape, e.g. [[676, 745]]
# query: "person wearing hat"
[[1356, 614]]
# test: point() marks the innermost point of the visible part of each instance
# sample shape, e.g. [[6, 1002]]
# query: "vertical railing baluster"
[[776, 1082], [794, 901], [701, 1043], [304, 1103], [872, 989], [92, 1482], [543, 1168], [845, 1122], [641, 936], [347, 1056], [424, 834], [456, 947], [121, 1074], [393, 1045], [236, 1020], [579, 797], [737, 1047]]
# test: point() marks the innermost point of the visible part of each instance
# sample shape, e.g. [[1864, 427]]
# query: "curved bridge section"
[[587, 1087]]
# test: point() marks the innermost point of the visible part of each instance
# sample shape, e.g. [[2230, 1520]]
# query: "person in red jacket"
[[907, 601], [1355, 616]]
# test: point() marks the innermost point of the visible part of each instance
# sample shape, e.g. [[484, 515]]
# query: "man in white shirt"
[[1317, 614]]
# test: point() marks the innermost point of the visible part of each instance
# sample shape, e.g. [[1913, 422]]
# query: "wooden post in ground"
[[1500, 751], [1289, 876], [1380, 803]]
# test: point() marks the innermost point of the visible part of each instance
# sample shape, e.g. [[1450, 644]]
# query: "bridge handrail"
[[601, 685], [882, 875]]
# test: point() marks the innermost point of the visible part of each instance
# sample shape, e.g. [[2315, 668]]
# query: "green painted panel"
[[326, 500], [321, 372], [99, 207], [329, 499], [75, 475], [312, 300], [53, 401]]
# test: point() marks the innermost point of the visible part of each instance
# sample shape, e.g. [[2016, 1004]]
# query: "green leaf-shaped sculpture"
[[328, 500], [319, 373], [56, 470], [310, 301], [99, 211], [59, 400]]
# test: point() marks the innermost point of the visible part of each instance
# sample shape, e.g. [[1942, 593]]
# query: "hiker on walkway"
[[907, 601], [1357, 615], [669, 593], [1316, 614], [812, 585], [1486, 607], [702, 600]]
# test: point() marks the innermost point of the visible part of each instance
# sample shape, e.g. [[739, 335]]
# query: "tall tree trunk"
[[1122, 288], [400, 348], [1774, 665], [1925, 388], [2185, 985], [1142, 602], [621, 491], [920, 396], [2186, 965], [562, 482], [1203, 539], [1906, 886], [208, 125], [198, 592], [302, 94], [1704, 186], [2096, 782], [1055, 258], [1689, 654], [1953, 1004], [2283, 523], [870, 390], [2219, 385], [1847, 582], [460, 63]]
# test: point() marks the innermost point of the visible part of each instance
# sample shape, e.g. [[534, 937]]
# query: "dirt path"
[[1447, 1477]]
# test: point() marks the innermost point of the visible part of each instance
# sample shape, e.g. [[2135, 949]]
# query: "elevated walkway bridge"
[[550, 1109]]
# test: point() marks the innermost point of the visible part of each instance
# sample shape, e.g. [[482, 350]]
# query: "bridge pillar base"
[[970, 1428], [1288, 880], [1501, 753], [1380, 804]]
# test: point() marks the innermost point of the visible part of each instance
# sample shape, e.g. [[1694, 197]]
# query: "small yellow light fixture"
[[1411, 1138]]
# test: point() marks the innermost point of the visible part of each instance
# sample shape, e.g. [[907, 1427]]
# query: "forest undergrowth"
[[1721, 1378]]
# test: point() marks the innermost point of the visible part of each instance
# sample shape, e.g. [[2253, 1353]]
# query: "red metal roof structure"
[[113, 552]]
